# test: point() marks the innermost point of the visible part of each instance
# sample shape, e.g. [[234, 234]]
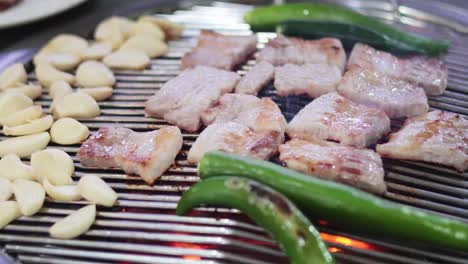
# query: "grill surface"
[[143, 227]]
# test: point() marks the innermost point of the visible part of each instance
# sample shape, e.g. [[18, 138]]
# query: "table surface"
[[19, 43]]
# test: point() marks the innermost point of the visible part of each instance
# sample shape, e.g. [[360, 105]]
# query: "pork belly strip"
[[397, 98], [361, 168], [219, 51], [428, 73], [256, 78], [258, 114], [282, 50], [333, 117], [438, 137], [310, 79], [181, 100], [147, 154], [235, 138], [241, 124]]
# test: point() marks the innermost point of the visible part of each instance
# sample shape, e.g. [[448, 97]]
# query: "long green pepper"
[[341, 205], [268, 18], [295, 234]]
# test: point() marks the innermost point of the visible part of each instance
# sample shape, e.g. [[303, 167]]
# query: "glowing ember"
[[347, 241]]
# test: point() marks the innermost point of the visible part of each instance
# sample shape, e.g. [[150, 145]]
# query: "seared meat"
[[256, 78], [439, 137], [311, 79], [146, 154], [331, 116], [282, 50], [235, 138], [428, 73], [361, 168], [220, 51], [242, 124], [397, 98], [251, 111], [182, 100]]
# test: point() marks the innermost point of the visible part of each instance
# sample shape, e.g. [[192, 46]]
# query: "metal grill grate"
[[143, 227]]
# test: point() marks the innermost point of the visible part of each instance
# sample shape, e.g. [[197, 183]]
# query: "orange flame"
[[345, 241]]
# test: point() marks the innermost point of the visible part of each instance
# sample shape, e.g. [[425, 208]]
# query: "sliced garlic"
[[152, 46], [68, 131], [32, 91], [98, 93], [74, 224], [5, 190], [12, 102], [12, 168], [76, 105], [147, 28], [53, 164], [65, 43], [22, 116], [95, 190], [64, 193], [96, 51], [24, 146], [30, 196], [35, 126], [13, 76], [94, 74], [47, 75], [61, 61], [171, 30], [110, 31], [127, 60], [10, 211]]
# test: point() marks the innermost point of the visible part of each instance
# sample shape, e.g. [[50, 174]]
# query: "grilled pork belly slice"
[[146, 154], [256, 78], [310, 79], [438, 137], [282, 50], [333, 117], [241, 124], [397, 98], [220, 51], [428, 73], [181, 100], [255, 113], [361, 168], [235, 138]]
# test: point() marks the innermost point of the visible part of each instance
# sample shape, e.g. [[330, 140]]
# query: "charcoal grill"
[[143, 228]]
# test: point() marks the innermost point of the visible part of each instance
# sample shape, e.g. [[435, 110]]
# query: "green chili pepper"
[[349, 34], [295, 234], [342, 205], [268, 18]]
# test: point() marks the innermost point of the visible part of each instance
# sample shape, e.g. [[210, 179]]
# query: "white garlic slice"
[[63, 193], [48, 74], [10, 211], [153, 47], [6, 191], [95, 190], [68, 131], [54, 164], [32, 91], [147, 28], [12, 168], [94, 74], [22, 116], [24, 146], [30, 196], [33, 127], [12, 102], [76, 105], [96, 51], [129, 59], [98, 93], [13, 76], [74, 224]]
